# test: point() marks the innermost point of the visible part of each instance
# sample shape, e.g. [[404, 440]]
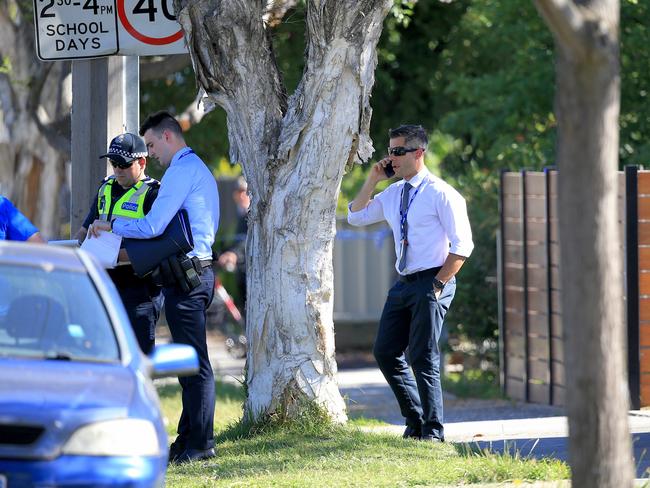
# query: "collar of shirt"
[[181, 153], [417, 180]]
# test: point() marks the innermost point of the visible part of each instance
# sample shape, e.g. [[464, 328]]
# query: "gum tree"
[[587, 106], [293, 151]]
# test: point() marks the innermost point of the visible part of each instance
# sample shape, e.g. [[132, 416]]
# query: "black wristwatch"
[[438, 284]]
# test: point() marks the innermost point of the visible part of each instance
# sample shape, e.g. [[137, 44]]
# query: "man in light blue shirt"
[[187, 184]]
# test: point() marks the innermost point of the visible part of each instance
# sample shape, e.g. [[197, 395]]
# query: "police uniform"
[[142, 299]]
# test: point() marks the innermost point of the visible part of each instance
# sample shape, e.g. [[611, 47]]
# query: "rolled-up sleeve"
[[453, 216], [372, 213]]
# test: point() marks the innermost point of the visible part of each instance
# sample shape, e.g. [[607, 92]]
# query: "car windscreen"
[[54, 314]]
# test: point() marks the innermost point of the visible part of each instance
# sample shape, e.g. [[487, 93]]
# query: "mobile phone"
[[388, 169]]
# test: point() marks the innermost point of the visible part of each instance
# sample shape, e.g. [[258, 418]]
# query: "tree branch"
[[233, 60], [160, 67], [195, 111], [57, 133], [276, 10], [575, 26]]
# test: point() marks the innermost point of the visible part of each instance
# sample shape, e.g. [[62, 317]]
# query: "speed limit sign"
[[73, 29], [149, 27]]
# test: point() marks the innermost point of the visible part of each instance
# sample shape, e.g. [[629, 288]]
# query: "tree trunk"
[[35, 102], [293, 153], [587, 106]]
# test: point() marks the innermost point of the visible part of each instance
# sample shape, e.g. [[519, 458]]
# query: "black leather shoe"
[[412, 433], [189, 455], [175, 450]]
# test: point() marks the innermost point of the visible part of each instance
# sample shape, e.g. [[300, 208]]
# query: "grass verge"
[[313, 453]]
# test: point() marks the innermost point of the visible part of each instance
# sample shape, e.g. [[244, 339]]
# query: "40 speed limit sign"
[[73, 29]]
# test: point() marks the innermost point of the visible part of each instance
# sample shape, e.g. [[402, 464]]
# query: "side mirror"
[[173, 360]]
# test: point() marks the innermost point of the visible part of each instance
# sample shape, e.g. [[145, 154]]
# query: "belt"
[[199, 264], [420, 275]]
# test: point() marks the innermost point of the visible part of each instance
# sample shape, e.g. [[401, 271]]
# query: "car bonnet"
[[54, 398]]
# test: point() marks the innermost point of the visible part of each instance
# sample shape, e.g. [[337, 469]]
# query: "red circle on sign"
[[156, 41]]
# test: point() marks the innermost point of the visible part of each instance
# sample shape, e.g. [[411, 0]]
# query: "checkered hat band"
[[126, 154]]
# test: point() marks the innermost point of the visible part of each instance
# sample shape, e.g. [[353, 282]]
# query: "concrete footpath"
[[538, 431]]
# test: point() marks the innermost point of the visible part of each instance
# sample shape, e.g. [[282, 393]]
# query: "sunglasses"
[[401, 150], [117, 164]]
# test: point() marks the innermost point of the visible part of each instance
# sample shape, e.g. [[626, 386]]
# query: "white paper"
[[105, 248]]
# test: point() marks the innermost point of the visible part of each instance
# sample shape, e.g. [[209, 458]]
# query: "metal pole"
[[131, 93]]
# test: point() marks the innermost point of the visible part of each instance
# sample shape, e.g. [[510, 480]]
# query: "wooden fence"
[[530, 315]]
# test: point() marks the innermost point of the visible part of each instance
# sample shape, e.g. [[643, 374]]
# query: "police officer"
[[129, 194], [187, 184]]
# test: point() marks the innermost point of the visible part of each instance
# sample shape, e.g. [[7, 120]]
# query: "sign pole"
[[123, 95], [131, 93]]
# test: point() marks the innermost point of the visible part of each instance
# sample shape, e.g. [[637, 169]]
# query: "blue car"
[[77, 403]]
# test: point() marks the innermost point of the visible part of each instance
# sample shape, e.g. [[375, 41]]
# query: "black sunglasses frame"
[[401, 150], [116, 164]]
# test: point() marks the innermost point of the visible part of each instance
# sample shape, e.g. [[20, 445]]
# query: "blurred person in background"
[[233, 259], [14, 226]]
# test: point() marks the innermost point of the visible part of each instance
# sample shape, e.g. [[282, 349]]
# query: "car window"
[[53, 313]]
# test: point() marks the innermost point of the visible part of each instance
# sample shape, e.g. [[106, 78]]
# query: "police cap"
[[125, 148]]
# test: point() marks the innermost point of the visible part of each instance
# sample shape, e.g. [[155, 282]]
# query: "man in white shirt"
[[432, 239]]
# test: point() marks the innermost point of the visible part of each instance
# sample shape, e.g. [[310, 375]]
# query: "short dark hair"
[[161, 121], [411, 133]]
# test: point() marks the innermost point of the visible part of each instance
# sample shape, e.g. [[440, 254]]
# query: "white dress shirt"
[[188, 184], [437, 221]]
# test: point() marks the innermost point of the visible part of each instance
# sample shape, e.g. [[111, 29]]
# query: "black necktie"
[[404, 226]]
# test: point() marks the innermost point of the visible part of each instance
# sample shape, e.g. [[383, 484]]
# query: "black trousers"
[[186, 317], [413, 319]]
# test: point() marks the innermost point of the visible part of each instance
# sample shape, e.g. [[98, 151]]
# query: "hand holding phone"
[[388, 169]]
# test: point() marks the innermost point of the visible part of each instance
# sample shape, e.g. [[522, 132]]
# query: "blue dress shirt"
[[188, 184]]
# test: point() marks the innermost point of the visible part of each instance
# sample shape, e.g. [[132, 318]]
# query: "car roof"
[[40, 255]]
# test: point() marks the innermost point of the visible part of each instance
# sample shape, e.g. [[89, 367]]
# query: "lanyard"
[[191, 151], [403, 214]]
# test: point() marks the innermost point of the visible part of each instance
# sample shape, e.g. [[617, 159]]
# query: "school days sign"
[[75, 29]]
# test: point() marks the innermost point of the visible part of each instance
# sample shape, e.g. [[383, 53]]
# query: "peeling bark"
[[293, 152]]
